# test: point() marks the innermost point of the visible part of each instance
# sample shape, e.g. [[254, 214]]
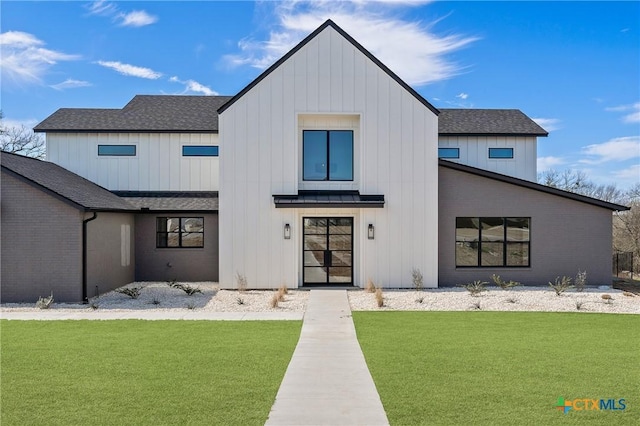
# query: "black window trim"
[[328, 176], [135, 150], [501, 158], [457, 149], [217, 149], [179, 246], [504, 242]]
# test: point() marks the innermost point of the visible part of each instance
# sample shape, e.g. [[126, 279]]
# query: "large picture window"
[[179, 232], [327, 155], [493, 241]]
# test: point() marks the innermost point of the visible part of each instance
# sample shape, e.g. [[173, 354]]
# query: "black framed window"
[[117, 150], [500, 152], [493, 241], [327, 155], [199, 151], [448, 152], [180, 232]]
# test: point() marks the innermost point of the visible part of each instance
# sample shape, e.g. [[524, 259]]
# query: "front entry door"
[[327, 250]]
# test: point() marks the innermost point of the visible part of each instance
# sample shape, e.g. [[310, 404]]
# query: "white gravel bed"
[[495, 299], [158, 296]]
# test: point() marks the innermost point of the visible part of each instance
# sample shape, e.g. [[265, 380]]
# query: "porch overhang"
[[328, 199]]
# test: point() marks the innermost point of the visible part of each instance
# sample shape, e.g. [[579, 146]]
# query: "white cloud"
[[71, 84], [409, 48], [462, 96], [25, 60], [131, 70], [549, 124], [631, 173], [617, 149], [632, 110], [192, 86], [137, 18], [548, 163], [28, 123]]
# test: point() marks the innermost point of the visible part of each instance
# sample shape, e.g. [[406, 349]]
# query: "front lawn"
[[501, 367], [142, 372]]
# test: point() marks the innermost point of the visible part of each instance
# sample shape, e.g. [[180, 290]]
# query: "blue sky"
[[572, 66]]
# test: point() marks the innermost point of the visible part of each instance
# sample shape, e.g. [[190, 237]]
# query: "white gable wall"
[[157, 166], [395, 152], [474, 152]]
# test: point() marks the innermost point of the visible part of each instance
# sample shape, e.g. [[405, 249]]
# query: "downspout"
[[85, 299]]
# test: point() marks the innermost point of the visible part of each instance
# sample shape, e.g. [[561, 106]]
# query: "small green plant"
[[476, 306], [379, 298], [44, 302], [191, 306], [155, 301], [172, 283], [607, 298], [94, 305], [188, 289], [581, 280], [370, 286], [420, 299], [241, 282], [512, 300], [505, 285], [475, 288], [416, 277], [132, 292], [240, 301], [561, 285], [579, 305]]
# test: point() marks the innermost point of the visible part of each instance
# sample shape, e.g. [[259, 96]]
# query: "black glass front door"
[[327, 250]]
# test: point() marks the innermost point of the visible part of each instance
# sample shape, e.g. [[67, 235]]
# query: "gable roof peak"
[[346, 36]]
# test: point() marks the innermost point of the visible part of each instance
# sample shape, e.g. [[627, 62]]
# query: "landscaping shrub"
[[241, 282], [416, 277], [475, 288], [505, 285], [379, 298], [132, 292], [581, 280], [44, 302], [370, 286], [561, 285]]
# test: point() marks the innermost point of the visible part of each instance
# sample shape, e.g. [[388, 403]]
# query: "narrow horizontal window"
[[199, 151], [117, 150], [500, 152], [448, 152]]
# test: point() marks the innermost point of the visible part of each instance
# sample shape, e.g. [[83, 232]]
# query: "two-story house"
[[328, 170]]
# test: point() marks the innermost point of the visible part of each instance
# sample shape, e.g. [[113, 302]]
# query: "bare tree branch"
[[21, 140]]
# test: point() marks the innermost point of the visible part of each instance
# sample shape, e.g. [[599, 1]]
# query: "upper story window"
[[500, 152], [327, 155], [199, 151], [180, 232], [117, 150], [493, 241], [448, 152]]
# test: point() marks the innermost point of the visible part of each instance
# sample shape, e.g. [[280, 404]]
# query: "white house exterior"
[[326, 170], [328, 83]]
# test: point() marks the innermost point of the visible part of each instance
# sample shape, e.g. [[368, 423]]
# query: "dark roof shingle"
[[68, 185], [167, 201], [144, 113], [496, 122]]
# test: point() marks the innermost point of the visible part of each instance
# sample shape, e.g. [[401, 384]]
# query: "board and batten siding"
[[157, 166], [395, 155], [474, 152]]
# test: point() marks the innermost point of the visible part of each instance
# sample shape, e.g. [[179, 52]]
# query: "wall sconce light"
[[371, 231], [287, 231]]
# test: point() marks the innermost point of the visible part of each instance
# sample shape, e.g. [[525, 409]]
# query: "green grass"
[[142, 372], [501, 367]]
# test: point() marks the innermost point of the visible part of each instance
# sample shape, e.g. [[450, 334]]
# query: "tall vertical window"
[[493, 241], [327, 155], [179, 232]]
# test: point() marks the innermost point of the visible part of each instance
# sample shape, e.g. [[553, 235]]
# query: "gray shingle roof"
[[144, 113], [487, 122], [63, 183], [328, 199], [171, 201]]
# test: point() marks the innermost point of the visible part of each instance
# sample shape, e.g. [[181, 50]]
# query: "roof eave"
[[544, 135]]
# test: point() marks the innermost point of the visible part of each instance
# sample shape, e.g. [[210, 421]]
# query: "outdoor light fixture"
[[287, 231], [371, 231]]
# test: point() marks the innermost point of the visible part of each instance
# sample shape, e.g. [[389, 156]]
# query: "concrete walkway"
[[104, 314], [327, 381]]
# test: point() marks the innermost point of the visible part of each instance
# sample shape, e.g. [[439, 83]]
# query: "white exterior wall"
[[395, 154], [474, 151], [157, 166]]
